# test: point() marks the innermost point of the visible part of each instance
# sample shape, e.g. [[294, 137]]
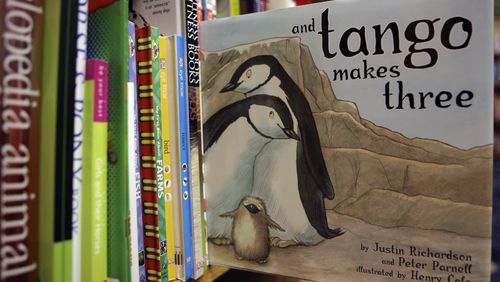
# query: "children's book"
[[94, 241], [171, 72], [166, 149], [351, 140], [108, 40], [147, 50], [137, 264]]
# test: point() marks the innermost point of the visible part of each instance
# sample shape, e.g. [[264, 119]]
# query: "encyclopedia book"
[[351, 140]]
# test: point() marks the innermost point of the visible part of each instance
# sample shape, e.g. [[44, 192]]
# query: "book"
[[166, 148], [94, 254], [173, 17], [137, 266], [108, 40], [174, 157], [180, 153], [56, 175], [145, 56], [193, 87], [351, 140], [209, 9], [228, 8], [81, 58], [21, 91], [48, 104], [158, 135], [184, 161]]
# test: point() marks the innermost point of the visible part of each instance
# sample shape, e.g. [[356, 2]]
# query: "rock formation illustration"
[[379, 175]]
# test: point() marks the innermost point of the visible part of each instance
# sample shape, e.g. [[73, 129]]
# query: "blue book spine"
[[132, 77], [184, 157]]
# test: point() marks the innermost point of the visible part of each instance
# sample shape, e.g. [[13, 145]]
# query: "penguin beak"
[[290, 133], [230, 87]]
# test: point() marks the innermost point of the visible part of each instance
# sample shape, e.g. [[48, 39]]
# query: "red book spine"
[[147, 153], [21, 33]]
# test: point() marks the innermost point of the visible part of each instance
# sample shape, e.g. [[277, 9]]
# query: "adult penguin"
[[232, 138], [264, 74]]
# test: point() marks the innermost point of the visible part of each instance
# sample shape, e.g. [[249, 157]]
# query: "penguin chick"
[[250, 231]]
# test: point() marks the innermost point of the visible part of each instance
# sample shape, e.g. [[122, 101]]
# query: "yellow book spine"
[[167, 162]]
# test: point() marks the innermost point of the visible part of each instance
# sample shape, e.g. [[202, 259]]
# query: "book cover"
[[145, 56], [108, 40], [81, 58], [20, 190], [94, 254], [137, 266], [166, 148], [351, 140]]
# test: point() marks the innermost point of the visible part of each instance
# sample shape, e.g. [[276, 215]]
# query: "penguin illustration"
[[264, 74], [250, 230], [232, 138]]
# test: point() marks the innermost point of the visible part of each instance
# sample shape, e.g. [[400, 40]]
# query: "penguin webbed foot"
[[261, 261], [277, 242], [221, 241]]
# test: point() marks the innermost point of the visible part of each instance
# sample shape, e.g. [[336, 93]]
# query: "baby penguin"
[[250, 230]]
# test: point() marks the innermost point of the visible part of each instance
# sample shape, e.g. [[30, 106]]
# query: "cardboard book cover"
[[351, 140]]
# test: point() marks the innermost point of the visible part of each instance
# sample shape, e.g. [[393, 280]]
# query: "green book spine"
[[160, 180], [48, 138], [108, 40], [94, 180]]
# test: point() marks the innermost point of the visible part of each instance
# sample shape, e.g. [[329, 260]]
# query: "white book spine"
[[134, 247], [81, 58]]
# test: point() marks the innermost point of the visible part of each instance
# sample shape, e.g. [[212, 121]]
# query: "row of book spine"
[[113, 192], [167, 200]]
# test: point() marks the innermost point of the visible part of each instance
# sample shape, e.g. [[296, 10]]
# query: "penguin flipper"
[[313, 202]]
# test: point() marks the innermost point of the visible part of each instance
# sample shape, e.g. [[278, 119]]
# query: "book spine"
[[108, 40], [48, 107], [65, 124], [167, 160], [193, 81], [160, 181], [147, 152], [174, 156], [138, 269], [22, 39], [234, 7], [81, 58], [182, 103], [94, 181]]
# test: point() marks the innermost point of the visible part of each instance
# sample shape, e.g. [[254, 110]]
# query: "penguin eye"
[[252, 208], [271, 114], [249, 73]]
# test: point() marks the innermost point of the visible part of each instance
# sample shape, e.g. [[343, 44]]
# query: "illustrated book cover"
[[351, 140]]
